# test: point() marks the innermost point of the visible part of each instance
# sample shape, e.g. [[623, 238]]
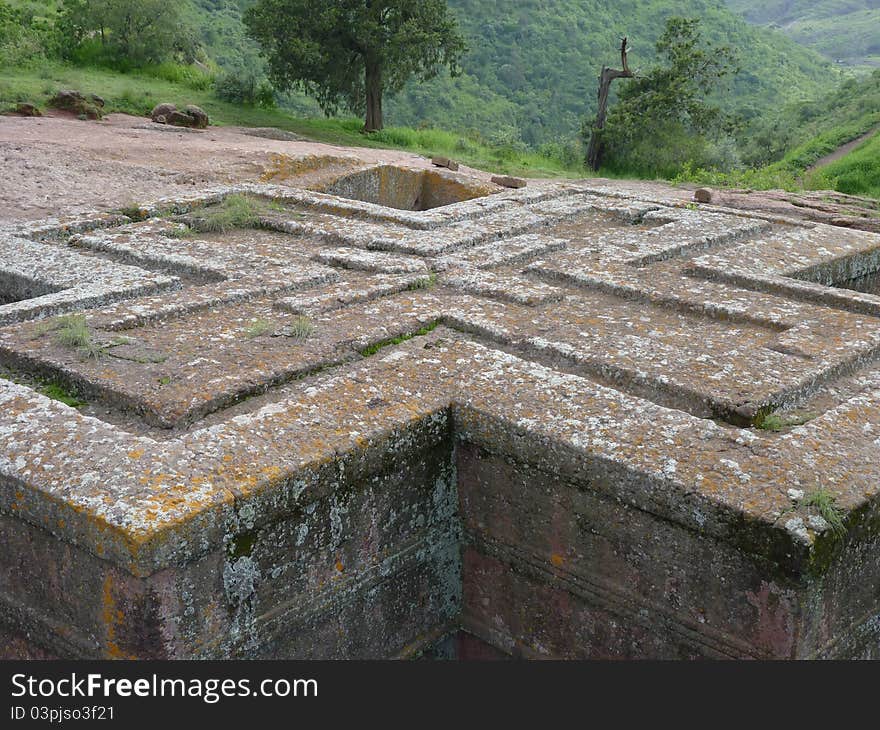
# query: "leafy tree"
[[664, 118], [130, 32], [353, 51]]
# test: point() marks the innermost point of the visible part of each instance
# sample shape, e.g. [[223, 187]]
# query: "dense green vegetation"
[[809, 129], [531, 71], [663, 116], [125, 34], [847, 31]]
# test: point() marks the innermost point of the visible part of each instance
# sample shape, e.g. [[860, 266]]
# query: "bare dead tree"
[[594, 151]]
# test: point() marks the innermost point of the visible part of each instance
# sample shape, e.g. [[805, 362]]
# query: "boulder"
[[192, 116], [67, 99], [199, 115], [161, 111], [444, 162], [27, 110], [509, 182], [180, 119]]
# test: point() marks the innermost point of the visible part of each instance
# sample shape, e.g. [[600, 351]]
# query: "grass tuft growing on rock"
[[374, 348], [826, 504], [133, 211], [299, 328], [258, 328], [779, 422], [234, 211], [425, 282], [73, 332]]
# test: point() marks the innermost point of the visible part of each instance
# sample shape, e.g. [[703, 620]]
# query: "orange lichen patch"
[[112, 616], [284, 167], [135, 454]]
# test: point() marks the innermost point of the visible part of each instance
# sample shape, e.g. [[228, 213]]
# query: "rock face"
[[192, 116], [540, 416], [85, 106]]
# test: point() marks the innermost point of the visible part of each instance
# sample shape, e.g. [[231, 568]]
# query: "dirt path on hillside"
[[843, 150]]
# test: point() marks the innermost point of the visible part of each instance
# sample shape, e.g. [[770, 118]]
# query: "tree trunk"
[[373, 84], [594, 151]]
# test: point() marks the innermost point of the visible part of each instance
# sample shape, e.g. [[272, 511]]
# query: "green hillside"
[[847, 31], [817, 126], [533, 64]]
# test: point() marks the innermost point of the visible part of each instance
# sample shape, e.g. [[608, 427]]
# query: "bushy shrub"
[[507, 141], [24, 37], [567, 152], [665, 117], [243, 87]]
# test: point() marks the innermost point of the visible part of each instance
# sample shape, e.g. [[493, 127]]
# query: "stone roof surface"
[[641, 339]]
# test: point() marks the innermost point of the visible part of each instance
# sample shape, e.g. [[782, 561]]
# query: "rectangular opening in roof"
[[407, 189]]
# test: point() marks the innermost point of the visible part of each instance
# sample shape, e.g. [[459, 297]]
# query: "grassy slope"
[[807, 132], [531, 70], [137, 94], [858, 173]]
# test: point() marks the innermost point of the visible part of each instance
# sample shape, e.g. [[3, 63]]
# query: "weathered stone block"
[[509, 182], [445, 162]]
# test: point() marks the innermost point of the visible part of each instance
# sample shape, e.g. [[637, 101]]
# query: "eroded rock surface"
[[351, 430]]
